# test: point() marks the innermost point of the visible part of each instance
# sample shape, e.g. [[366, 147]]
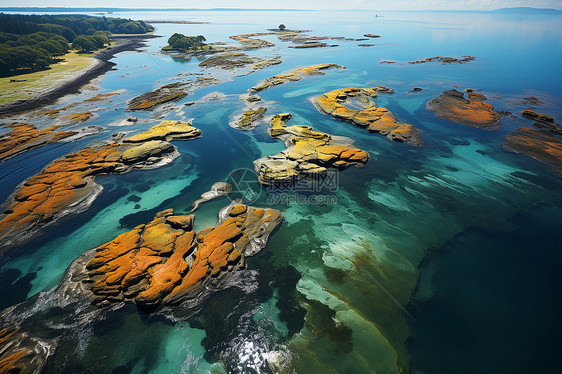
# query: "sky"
[[295, 4]]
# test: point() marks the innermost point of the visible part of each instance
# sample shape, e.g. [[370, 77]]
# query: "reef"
[[21, 352], [238, 60], [441, 59], [309, 153], [452, 106], [249, 42], [24, 136], [167, 93], [444, 60], [166, 262], [67, 185], [228, 61], [295, 75], [247, 120], [310, 45], [338, 104], [540, 145], [542, 121], [217, 190]]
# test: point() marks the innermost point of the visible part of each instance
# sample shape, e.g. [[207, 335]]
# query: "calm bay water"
[[434, 260]]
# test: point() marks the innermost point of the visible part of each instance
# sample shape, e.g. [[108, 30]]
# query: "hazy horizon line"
[[279, 9]]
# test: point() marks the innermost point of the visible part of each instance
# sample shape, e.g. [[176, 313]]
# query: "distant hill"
[[527, 10]]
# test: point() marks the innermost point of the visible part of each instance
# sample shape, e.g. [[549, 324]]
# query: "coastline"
[[100, 65]]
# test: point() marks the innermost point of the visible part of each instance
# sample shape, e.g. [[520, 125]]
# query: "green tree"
[[84, 43]]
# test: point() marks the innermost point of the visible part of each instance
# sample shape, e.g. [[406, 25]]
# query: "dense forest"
[[184, 43], [33, 42]]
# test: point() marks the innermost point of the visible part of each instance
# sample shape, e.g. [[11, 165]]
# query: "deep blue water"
[[439, 259]]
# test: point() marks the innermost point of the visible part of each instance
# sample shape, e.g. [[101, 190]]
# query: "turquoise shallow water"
[[418, 260]]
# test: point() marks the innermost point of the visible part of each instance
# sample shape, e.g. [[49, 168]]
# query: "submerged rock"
[[308, 154], [295, 75], [337, 104], [527, 101], [166, 262], [247, 120], [67, 185], [217, 190], [21, 352], [543, 121], [540, 145], [452, 106]]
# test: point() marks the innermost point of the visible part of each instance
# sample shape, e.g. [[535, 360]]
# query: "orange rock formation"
[[24, 137], [336, 103], [22, 353], [165, 261], [67, 184], [452, 106], [540, 145]]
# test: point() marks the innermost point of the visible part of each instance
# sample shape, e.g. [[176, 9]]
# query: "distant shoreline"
[[100, 65], [512, 10]]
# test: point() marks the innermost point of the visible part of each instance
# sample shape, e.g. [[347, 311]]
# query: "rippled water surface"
[[438, 259]]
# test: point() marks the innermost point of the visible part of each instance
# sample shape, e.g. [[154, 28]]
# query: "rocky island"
[[309, 153], [166, 261], [380, 120], [452, 106], [168, 92]]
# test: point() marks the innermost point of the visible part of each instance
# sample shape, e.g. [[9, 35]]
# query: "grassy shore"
[[43, 80]]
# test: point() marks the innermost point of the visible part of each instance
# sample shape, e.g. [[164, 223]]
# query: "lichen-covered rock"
[[21, 352], [78, 117], [540, 145], [337, 104], [165, 261], [295, 75], [308, 153], [67, 185], [452, 106], [247, 120], [24, 137], [166, 130], [167, 93]]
